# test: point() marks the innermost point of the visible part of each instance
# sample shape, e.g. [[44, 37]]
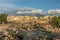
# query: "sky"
[[45, 5]]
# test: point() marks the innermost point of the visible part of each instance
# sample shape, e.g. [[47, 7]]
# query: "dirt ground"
[[3, 26]]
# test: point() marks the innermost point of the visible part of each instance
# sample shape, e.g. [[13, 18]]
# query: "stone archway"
[[20, 37], [49, 38]]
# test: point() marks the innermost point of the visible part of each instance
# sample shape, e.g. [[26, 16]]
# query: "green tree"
[[55, 21], [3, 18]]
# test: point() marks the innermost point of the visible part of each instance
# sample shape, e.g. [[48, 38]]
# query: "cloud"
[[7, 5], [53, 11], [29, 10]]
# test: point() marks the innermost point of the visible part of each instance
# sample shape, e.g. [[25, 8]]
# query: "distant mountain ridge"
[[25, 12]]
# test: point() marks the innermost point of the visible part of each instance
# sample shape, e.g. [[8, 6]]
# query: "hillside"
[[34, 27]]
